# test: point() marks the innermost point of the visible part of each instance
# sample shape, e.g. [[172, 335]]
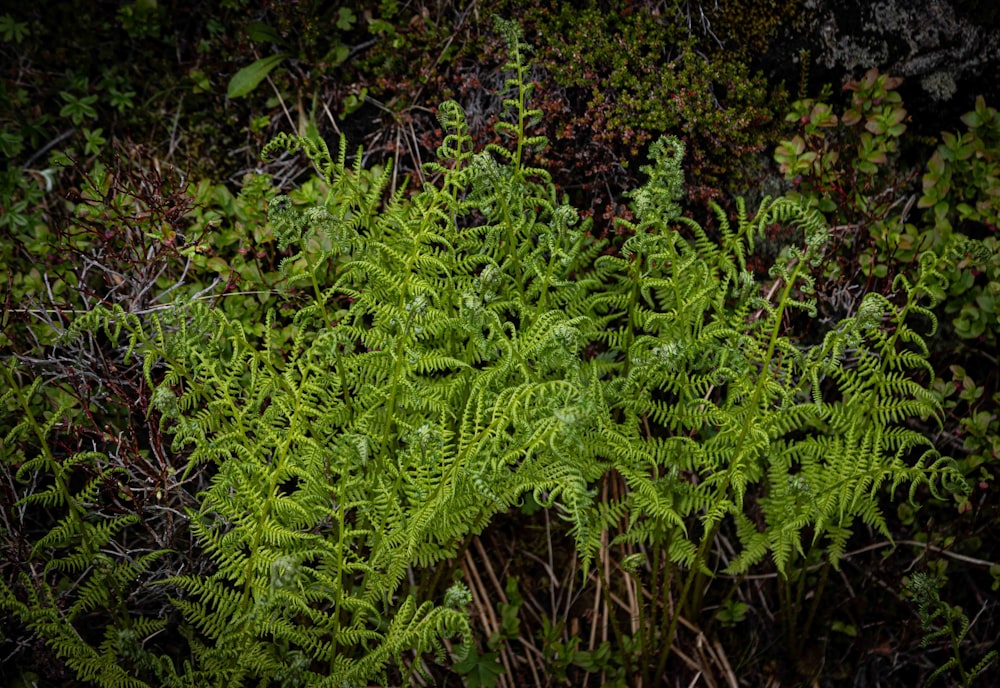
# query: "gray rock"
[[926, 41]]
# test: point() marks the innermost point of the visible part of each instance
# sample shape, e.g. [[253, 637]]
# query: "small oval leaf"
[[246, 80], [259, 32]]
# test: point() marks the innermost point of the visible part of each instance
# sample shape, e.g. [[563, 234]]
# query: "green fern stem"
[[510, 240], [338, 595], [399, 349], [635, 277], [804, 633], [315, 284], [662, 575], [522, 105], [512, 34], [397, 370], [755, 400], [330, 325], [264, 514], [692, 600], [613, 618], [543, 298]]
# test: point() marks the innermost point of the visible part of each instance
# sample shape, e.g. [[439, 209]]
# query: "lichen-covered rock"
[[936, 43]]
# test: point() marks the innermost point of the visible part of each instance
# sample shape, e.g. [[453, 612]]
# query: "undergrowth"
[[439, 359]]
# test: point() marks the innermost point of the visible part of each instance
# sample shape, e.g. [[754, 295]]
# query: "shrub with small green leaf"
[[961, 189], [962, 181], [838, 163], [849, 168], [966, 398]]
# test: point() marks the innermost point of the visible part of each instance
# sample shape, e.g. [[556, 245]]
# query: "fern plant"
[[468, 344], [75, 582], [429, 387], [941, 621], [725, 418]]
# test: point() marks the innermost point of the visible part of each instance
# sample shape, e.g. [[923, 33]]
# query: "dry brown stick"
[[632, 590], [727, 670], [606, 557], [571, 577], [596, 610], [480, 599], [478, 544], [877, 545], [505, 657], [940, 550], [539, 657], [705, 662], [502, 596]]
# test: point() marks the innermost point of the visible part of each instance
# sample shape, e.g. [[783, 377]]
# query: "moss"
[[746, 28], [622, 77]]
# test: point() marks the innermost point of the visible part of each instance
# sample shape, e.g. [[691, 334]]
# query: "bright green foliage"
[[713, 385], [461, 348]]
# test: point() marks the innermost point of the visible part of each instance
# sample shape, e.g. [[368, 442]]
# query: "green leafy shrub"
[[963, 176], [967, 400], [961, 186], [849, 168], [838, 164], [745, 27]]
